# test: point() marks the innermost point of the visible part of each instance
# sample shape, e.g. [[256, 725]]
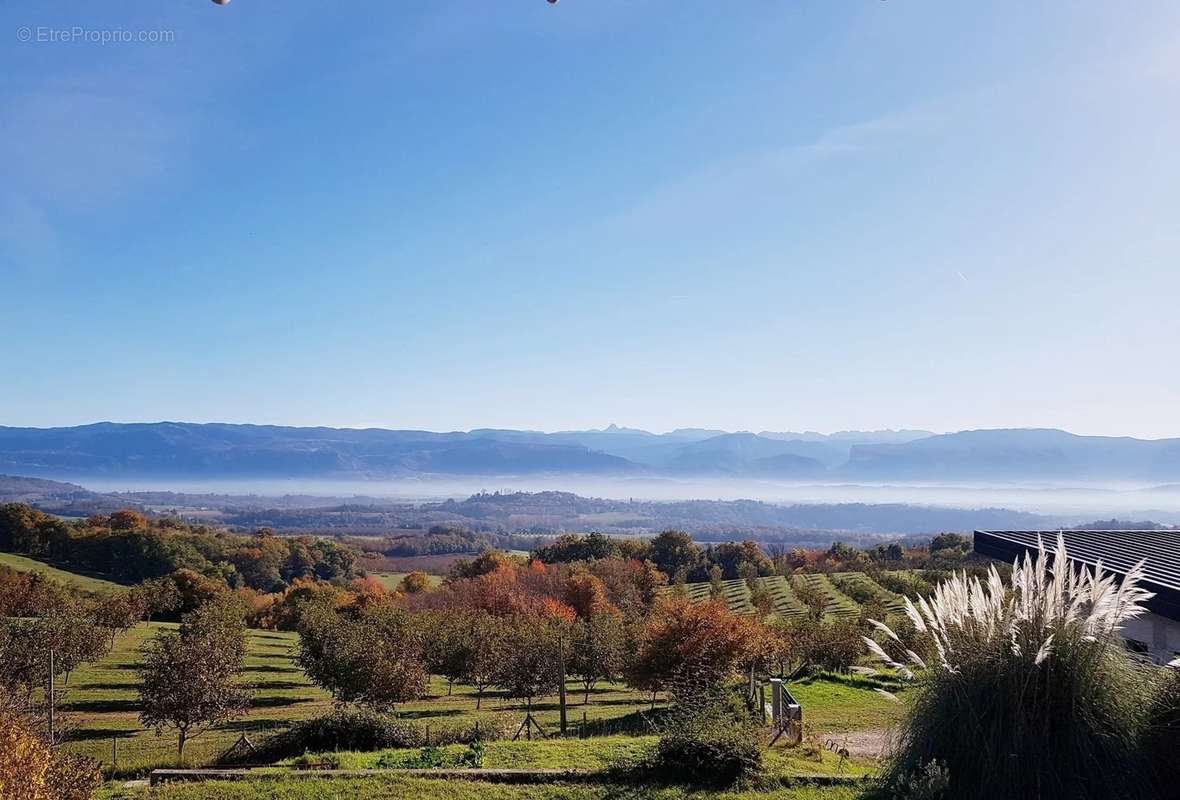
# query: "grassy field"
[[99, 708], [72, 579], [101, 704], [427, 789], [835, 705]]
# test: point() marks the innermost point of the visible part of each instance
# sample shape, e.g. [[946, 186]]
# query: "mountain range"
[[216, 450]]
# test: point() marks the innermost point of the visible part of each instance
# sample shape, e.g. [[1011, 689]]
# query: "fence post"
[[776, 699], [115, 752], [51, 698], [561, 676]]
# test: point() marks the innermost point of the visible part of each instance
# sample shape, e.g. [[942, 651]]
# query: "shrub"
[[431, 757], [1162, 740], [932, 782], [72, 777], [24, 760], [29, 770], [835, 645], [343, 729], [708, 736], [1033, 694], [708, 745]]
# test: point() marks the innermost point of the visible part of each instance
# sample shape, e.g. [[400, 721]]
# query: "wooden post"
[[583, 724], [477, 730], [428, 734], [561, 677], [115, 752]]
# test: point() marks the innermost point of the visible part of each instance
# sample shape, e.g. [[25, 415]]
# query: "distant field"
[[620, 518], [391, 580], [83, 582], [431, 565]]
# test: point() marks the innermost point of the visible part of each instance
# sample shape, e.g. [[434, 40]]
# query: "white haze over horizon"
[[1088, 501]]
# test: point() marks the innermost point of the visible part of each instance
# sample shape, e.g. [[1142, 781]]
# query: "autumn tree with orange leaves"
[[702, 643]]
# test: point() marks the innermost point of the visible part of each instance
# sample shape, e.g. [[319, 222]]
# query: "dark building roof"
[[1118, 551]]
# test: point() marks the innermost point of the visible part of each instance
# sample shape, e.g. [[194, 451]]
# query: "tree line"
[[131, 548]]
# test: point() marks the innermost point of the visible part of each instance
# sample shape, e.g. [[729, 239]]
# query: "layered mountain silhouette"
[[180, 449]]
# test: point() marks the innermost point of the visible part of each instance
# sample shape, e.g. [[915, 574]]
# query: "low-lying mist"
[[1160, 503]]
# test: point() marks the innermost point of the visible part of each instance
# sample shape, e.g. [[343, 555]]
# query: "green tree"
[[597, 650], [673, 553], [118, 612], [449, 646], [530, 666], [189, 678], [372, 656], [489, 640], [716, 587]]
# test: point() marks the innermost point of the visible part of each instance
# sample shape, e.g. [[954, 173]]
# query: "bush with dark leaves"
[[343, 729]]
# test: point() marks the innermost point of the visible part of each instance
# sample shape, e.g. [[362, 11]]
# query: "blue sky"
[[758, 215]]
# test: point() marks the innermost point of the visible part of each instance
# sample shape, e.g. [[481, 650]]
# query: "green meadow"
[[84, 583]]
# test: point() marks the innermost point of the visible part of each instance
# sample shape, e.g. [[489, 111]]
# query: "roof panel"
[[1117, 550]]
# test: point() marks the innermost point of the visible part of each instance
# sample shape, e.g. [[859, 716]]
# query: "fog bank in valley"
[[1157, 502]]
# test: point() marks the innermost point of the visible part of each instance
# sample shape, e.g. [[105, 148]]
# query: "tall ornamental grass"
[[1031, 693]]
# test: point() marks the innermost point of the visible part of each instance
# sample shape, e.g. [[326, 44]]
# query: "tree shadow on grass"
[[255, 725], [637, 722], [429, 713], [574, 701], [97, 734], [263, 668], [101, 706], [278, 702], [114, 687], [260, 685]]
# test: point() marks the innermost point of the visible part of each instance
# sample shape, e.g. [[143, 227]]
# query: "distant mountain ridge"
[[222, 450], [1018, 454]]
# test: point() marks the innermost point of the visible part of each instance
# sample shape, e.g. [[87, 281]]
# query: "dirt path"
[[870, 743]]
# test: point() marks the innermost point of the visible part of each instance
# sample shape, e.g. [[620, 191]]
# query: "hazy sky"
[[756, 215]]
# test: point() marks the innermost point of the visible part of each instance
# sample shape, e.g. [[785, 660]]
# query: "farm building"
[[1157, 633]]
